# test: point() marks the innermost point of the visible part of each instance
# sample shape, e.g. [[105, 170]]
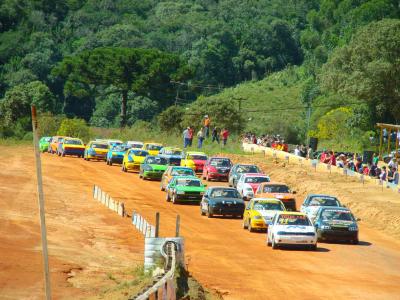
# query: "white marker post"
[[41, 204]]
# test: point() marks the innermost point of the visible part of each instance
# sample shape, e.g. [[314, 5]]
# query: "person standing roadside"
[[224, 134], [215, 135], [207, 123], [375, 159], [200, 138], [190, 136], [186, 137]]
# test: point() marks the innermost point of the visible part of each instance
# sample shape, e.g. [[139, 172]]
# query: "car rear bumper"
[[189, 197], [73, 151], [117, 160]]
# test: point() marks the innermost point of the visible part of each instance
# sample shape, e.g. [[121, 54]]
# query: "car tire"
[[273, 244], [209, 214], [62, 154], [110, 163], [269, 244], [249, 228], [313, 247], [162, 187], [207, 177], [123, 168], [244, 225], [202, 213], [167, 197], [174, 199]]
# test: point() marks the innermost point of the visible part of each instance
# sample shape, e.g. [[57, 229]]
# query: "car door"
[[239, 185], [247, 210], [304, 206]]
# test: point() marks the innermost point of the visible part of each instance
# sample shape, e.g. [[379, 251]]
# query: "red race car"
[[217, 168]]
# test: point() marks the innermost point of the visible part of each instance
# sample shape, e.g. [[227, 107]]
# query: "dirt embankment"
[[377, 207]]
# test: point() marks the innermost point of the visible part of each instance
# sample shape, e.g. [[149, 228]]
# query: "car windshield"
[[188, 182], [173, 152], [73, 142], [46, 139], [136, 146], [248, 169], [220, 162], [224, 193], [100, 146], [324, 201], [120, 148], [293, 220], [197, 157], [156, 160], [153, 147], [277, 188], [187, 171], [256, 179], [139, 152], [337, 215], [265, 205]]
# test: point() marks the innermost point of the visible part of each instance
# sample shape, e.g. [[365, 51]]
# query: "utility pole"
[[308, 123], [41, 204]]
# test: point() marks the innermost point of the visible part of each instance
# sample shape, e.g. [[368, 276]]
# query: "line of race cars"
[[251, 195]]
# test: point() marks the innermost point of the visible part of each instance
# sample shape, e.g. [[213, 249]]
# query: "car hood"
[[280, 196], [254, 186], [153, 152], [294, 228], [158, 167], [190, 188], [138, 158], [222, 200]]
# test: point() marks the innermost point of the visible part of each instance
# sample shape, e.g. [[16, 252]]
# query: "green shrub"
[[74, 128]]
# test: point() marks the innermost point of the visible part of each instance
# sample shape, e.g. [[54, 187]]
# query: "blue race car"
[[116, 154], [336, 224], [172, 155]]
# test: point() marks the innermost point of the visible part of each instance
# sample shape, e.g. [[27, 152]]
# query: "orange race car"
[[279, 191], [55, 141]]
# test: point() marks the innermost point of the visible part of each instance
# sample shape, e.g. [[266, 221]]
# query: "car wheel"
[[249, 228], [162, 187], [123, 168], [233, 183], [207, 177], [273, 244], [268, 241], [201, 211], [244, 225], [209, 214], [167, 197], [63, 154], [313, 247], [174, 199], [229, 183]]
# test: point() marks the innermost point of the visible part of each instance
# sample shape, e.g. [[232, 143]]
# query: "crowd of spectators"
[[349, 161]]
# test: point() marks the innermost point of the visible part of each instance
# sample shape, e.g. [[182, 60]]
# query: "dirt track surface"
[[219, 253]]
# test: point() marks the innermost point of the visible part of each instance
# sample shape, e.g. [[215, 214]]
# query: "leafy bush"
[[74, 128], [170, 120]]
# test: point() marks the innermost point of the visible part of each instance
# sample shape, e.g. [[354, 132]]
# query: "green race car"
[[153, 167], [44, 143], [185, 188]]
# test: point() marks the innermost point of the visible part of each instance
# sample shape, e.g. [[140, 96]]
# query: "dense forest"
[[114, 62]]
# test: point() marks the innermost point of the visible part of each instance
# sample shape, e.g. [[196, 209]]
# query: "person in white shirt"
[[297, 151]]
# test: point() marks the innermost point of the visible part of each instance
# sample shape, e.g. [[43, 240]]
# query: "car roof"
[[219, 157], [196, 152], [71, 138], [152, 143], [254, 175], [274, 183], [99, 142], [266, 199], [221, 187], [186, 177], [291, 213], [321, 195], [181, 167], [172, 148], [334, 208], [246, 165]]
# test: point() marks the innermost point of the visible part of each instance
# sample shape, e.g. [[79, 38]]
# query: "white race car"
[[248, 184], [291, 228]]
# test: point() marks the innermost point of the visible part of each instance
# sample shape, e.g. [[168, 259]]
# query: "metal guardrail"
[[163, 288]]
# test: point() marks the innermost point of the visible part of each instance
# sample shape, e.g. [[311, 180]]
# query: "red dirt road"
[[220, 254]]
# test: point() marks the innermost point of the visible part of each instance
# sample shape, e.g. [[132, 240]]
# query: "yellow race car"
[[152, 148], [95, 150], [132, 159], [194, 160], [259, 213]]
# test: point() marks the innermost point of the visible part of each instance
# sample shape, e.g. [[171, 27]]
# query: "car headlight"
[[257, 218], [147, 168], [325, 227], [180, 192], [353, 228]]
